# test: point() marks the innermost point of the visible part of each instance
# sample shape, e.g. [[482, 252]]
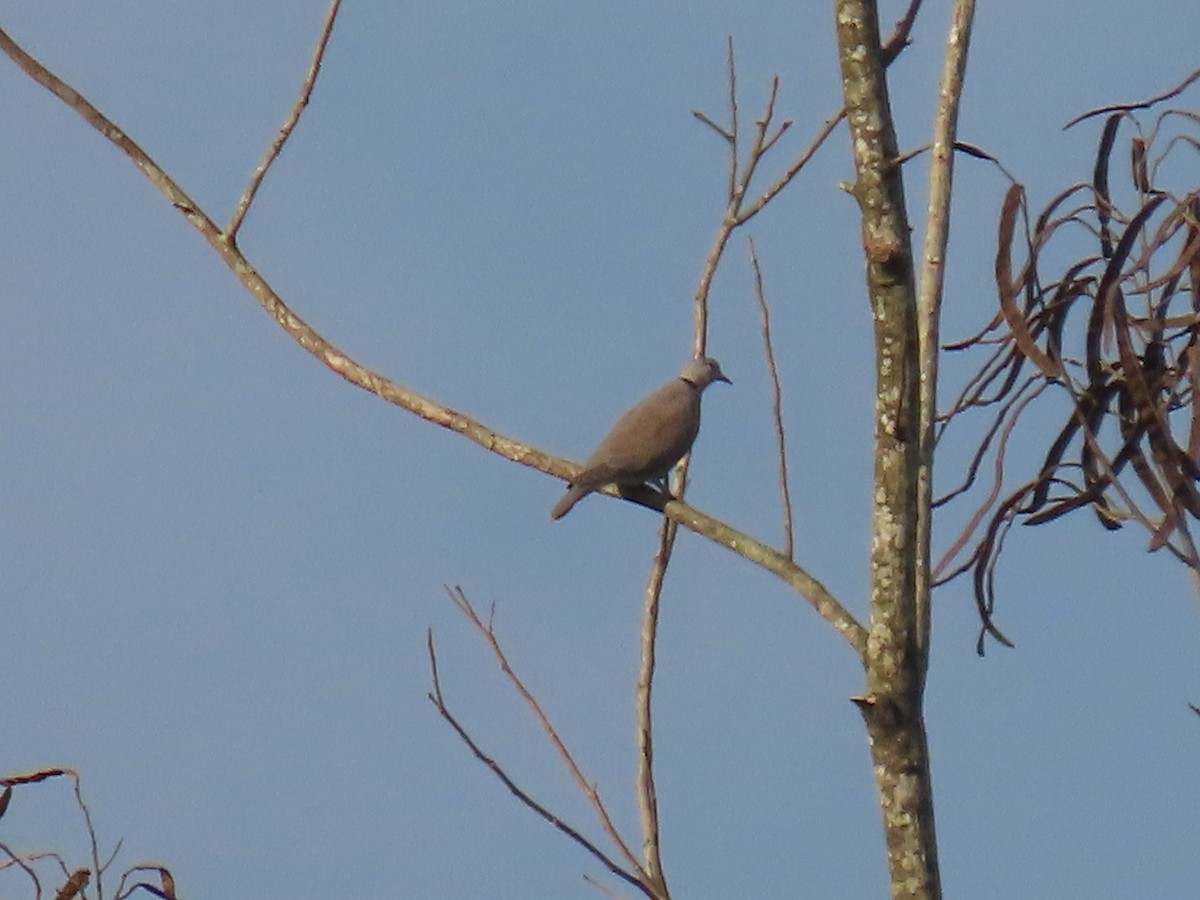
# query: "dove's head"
[[703, 372]]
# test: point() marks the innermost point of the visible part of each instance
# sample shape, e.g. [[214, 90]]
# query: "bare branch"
[[723, 132], [776, 403], [20, 863], [803, 583], [782, 130], [647, 794], [761, 145], [92, 841], [443, 416], [289, 126], [898, 39], [733, 118], [738, 185], [603, 889], [80, 877], [929, 296], [437, 699], [896, 656], [459, 598], [892, 48]]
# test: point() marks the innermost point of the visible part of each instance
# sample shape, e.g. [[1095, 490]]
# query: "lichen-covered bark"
[[891, 706]]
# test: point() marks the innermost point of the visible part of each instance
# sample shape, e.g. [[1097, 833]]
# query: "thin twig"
[[437, 699], [91, 830], [602, 888], [759, 147], [898, 39], [647, 795], [737, 212], [74, 883], [719, 129], [794, 169], [892, 48], [776, 403], [733, 117], [740, 177], [929, 296], [460, 600], [797, 578], [289, 126], [28, 870]]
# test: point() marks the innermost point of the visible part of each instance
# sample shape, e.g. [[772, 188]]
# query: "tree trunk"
[[895, 656]]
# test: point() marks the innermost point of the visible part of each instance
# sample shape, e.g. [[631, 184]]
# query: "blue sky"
[[221, 559]]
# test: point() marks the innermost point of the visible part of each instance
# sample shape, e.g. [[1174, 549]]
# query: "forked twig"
[[740, 176], [892, 48], [638, 876]]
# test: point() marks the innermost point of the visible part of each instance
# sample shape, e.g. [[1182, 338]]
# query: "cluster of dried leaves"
[[1117, 330]]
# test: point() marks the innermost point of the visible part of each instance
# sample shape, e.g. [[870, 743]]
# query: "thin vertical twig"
[[91, 830], [647, 794], [929, 297], [733, 117], [776, 402]]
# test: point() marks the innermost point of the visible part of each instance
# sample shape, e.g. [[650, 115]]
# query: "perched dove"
[[649, 439]]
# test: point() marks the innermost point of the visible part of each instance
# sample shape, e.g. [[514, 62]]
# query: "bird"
[[649, 438]]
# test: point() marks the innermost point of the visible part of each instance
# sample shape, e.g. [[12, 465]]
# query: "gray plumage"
[[649, 439]]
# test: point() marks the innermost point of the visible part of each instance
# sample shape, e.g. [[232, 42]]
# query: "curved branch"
[[398, 395]]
